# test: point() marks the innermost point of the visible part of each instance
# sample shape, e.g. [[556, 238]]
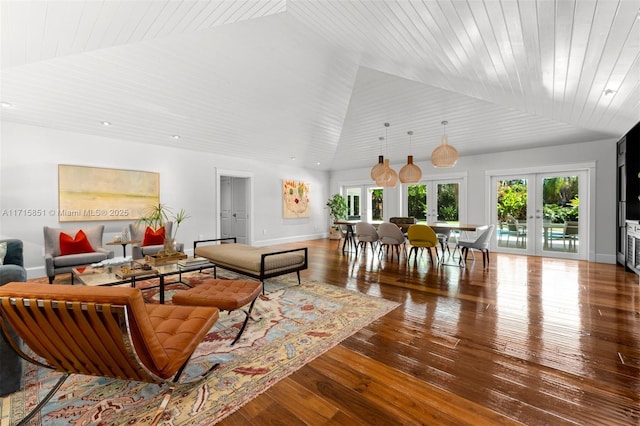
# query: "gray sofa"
[[11, 270], [139, 251], [55, 263]]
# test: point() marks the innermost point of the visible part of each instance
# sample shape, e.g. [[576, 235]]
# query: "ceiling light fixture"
[[445, 155], [378, 169], [410, 173], [6, 105], [176, 136], [106, 123], [389, 177]]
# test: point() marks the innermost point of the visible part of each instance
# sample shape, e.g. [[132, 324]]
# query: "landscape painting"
[[101, 194]]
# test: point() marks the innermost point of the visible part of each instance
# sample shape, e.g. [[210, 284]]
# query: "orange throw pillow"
[[153, 238], [75, 245]]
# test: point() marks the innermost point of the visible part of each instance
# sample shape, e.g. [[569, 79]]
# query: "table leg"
[[162, 289], [124, 250]]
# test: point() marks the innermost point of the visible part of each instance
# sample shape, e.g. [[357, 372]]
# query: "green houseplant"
[[157, 215], [337, 206]]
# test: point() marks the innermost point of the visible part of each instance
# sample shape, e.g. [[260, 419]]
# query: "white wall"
[[602, 240], [29, 158]]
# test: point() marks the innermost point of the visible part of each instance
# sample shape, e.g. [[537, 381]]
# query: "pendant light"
[[378, 169], [389, 177], [410, 173], [445, 155]]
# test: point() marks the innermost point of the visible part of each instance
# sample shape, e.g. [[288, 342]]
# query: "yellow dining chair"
[[422, 237]]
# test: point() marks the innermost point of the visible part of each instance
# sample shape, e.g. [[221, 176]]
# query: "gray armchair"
[[56, 263], [139, 250], [11, 270]]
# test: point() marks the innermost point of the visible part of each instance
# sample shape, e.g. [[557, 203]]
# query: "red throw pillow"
[[74, 245], [153, 238]]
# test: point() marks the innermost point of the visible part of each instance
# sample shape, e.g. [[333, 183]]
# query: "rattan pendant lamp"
[[445, 155], [388, 178], [410, 173]]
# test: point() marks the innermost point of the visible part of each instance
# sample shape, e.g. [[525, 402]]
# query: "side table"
[[123, 244]]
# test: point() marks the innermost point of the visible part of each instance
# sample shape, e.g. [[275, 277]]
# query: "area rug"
[[292, 325]]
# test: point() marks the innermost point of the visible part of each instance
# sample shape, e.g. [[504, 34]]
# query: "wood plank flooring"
[[529, 340]]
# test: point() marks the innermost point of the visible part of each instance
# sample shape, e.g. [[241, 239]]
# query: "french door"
[[542, 214], [364, 203], [434, 201]]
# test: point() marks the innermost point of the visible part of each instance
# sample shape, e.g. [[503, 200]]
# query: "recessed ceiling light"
[[176, 136], [292, 158], [6, 105], [608, 92], [106, 123], [317, 163]]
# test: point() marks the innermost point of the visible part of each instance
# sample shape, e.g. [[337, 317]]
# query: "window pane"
[[417, 201]]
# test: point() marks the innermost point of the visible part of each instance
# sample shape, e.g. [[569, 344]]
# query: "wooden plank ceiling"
[[317, 80]]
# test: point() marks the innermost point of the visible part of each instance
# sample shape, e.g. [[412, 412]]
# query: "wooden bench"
[[255, 262]]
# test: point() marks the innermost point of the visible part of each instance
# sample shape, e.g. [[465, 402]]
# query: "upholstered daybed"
[[256, 262]]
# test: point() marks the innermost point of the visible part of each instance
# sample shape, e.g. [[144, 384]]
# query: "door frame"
[[236, 174], [459, 178], [589, 209]]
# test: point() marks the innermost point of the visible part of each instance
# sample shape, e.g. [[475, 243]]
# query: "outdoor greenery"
[[447, 202], [376, 204], [560, 199]]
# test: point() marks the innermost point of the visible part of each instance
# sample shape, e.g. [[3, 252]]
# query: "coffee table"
[[107, 275]]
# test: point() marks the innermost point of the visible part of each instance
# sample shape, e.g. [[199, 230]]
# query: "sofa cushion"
[[153, 238], [74, 245], [79, 259], [3, 252]]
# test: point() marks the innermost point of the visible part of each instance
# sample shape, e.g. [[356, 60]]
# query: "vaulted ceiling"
[[316, 80]]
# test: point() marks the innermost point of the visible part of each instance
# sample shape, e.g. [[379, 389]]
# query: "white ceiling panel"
[[316, 80]]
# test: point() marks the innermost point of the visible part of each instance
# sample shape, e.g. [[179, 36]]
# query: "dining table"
[[350, 235], [447, 228]]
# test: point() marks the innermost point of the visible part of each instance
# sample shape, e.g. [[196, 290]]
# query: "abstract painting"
[[295, 198]]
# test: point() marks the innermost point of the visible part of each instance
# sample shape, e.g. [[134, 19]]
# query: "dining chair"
[[367, 233], [570, 234], [480, 242], [102, 331], [392, 236], [422, 237]]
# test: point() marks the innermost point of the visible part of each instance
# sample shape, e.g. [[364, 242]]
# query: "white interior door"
[[239, 209], [235, 195]]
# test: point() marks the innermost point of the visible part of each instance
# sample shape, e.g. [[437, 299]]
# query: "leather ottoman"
[[226, 295]]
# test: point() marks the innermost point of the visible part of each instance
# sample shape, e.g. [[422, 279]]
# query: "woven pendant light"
[[410, 173], [445, 155], [389, 178]]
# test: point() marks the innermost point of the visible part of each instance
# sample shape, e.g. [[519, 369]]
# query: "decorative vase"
[[169, 246]]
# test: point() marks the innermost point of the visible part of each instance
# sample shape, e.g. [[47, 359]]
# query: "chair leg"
[[44, 401], [246, 320]]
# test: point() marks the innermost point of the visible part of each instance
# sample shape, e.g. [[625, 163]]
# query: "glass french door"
[[435, 201], [367, 208], [541, 214]]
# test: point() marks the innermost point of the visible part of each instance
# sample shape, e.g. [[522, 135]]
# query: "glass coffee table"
[[108, 276]]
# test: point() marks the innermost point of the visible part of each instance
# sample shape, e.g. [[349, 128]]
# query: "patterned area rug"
[[292, 326]]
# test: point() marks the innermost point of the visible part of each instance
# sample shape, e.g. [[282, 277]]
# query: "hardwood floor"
[[530, 340]]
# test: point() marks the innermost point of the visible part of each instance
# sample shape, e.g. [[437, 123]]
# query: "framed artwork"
[[295, 199], [100, 194]]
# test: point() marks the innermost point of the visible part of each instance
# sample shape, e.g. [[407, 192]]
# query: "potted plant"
[[337, 206], [157, 215]]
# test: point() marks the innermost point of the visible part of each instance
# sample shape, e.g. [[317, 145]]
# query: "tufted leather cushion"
[[223, 294]]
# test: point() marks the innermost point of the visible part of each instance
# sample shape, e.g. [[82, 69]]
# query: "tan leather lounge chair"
[[103, 331]]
